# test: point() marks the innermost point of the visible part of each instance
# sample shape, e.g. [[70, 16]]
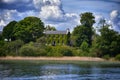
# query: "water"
[[35, 70]]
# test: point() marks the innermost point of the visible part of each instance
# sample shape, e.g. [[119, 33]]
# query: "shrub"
[[107, 57], [84, 46], [41, 52], [118, 57], [65, 50], [59, 51], [31, 50], [27, 51], [2, 52]]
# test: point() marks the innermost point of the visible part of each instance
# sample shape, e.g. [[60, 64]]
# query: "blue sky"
[[62, 14]]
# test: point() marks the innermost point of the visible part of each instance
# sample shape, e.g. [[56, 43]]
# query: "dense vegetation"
[[26, 38]]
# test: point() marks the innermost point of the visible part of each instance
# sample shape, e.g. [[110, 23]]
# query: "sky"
[[61, 14]]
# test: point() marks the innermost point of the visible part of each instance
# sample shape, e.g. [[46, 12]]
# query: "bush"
[[59, 51], [65, 51], [41, 52], [2, 52], [117, 57], [84, 46], [27, 51], [31, 50], [107, 57]]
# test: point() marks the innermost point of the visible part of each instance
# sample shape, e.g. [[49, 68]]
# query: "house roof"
[[55, 32]]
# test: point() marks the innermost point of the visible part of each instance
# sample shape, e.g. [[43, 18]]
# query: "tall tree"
[[8, 30], [108, 41], [29, 29], [87, 19], [84, 31]]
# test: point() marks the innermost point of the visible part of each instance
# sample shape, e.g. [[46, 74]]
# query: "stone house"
[[56, 37]]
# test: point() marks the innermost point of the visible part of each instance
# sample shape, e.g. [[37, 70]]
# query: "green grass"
[[80, 63]]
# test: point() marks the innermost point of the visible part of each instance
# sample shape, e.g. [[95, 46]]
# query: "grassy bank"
[[67, 62]]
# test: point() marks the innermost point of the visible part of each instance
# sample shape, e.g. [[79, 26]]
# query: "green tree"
[[8, 30], [50, 28], [108, 41], [13, 47], [87, 19], [29, 29], [84, 32]]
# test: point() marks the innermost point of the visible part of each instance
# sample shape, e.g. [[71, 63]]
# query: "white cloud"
[[12, 1], [114, 14], [39, 3], [50, 11], [7, 16], [115, 20]]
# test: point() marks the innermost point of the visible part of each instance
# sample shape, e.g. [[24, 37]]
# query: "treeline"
[[26, 38]]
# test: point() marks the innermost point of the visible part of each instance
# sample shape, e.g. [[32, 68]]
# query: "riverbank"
[[54, 58]]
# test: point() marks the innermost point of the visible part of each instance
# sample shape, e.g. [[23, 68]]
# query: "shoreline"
[[53, 58]]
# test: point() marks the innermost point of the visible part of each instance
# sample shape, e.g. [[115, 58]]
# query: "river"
[[55, 70]]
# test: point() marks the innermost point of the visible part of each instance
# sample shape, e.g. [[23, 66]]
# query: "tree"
[[50, 28], [8, 30], [13, 47], [87, 19], [80, 33], [84, 32], [29, 29], [108, 41]]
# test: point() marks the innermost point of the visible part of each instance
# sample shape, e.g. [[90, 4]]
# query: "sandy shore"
[[53, 58]]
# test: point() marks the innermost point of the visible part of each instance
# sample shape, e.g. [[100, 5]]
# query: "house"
[[56, 37]]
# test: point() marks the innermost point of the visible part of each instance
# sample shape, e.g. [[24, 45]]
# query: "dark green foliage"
[[29, 29], [107, 57], [81, 34], [118, 57], [28, 51], [8, 30], [87, 19], [41, 41], [2, 49], [84, 46], [65, 51], [1, 37], [108, 42], [31, 49], [68, 39], [84, 32], [11, 48]]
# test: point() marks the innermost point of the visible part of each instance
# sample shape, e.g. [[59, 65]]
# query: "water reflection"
[[57, 72]]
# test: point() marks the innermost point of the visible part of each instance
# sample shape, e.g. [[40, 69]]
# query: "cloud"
[[12, 1], [51, 12], [19, 5], [7, 16], [115, 20], [114, 14]]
